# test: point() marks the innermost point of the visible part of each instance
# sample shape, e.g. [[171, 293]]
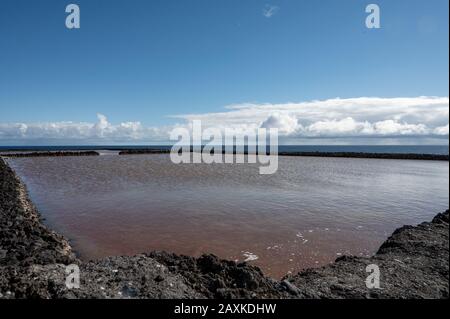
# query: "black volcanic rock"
[[24, 240], [50, 154], [413, 263], [401, 156]]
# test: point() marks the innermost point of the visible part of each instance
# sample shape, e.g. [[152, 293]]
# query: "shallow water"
[[307, 214]]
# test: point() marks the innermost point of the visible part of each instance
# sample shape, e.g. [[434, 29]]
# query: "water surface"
[[307, 214]]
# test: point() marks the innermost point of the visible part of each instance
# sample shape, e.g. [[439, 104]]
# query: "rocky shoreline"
[[413, 263], [50, 154], [400, 156]]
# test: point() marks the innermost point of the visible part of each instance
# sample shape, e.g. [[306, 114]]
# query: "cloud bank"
[[100, 131], [364, 117], [355, 117]]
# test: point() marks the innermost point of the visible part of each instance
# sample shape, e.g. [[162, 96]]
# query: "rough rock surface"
[[215, 278], [413, 263], [24, 240]]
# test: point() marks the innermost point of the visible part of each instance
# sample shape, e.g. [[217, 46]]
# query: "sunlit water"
[[307, 214]]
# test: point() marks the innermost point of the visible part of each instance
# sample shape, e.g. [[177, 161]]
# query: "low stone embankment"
[[400, 156], [50, 154]]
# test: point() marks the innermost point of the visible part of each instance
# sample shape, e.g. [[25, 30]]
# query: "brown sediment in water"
[[125, 205], [413, 264]]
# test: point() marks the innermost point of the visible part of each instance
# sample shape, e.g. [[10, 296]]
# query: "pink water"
[[306, 215]]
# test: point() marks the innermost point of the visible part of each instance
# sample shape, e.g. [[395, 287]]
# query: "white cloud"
[[284, 123], [338, 127], [102, 130], [365, 117], [442, 130], [270, 10], [391, 127]]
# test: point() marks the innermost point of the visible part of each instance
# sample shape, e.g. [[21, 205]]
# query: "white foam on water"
[[107, 152], [249, 256]]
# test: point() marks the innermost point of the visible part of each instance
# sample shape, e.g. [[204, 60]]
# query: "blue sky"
[[144, 61]]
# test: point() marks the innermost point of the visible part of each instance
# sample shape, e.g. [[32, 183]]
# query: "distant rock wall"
[[50, 154]]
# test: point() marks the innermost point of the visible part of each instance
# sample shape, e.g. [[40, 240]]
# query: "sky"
[[136, 69]]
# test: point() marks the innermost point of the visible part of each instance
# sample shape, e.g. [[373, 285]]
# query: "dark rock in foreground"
[[24, 240], [413, 262]]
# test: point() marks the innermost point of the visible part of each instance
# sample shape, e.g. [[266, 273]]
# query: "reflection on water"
[[307, 214]]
